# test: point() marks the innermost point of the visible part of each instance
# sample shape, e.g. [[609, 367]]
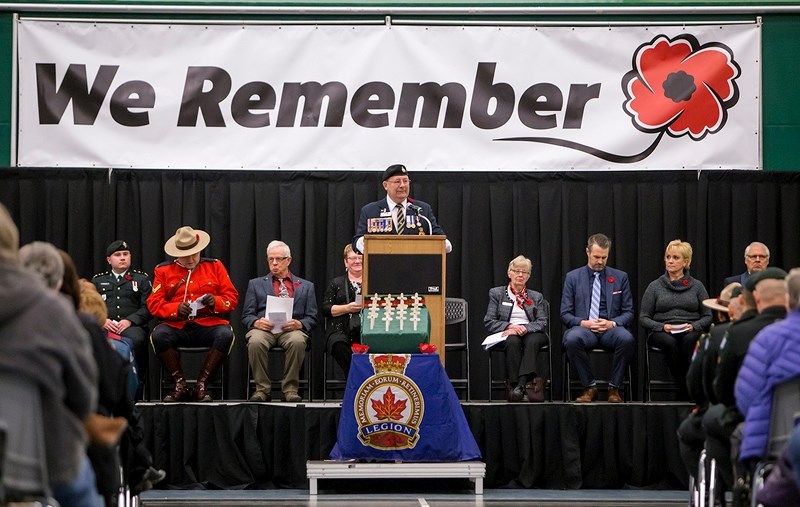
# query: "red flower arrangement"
[[427, 348], [610, 279], [296, 283], [685, 282], [128, 276], [359, 348]]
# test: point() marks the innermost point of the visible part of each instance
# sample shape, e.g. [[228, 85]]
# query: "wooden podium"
[[408, 264]]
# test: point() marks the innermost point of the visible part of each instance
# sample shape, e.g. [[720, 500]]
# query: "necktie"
[[282, 290], [401, 218], [594, 309]]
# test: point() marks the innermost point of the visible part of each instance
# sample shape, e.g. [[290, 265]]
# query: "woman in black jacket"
[[341, 307]]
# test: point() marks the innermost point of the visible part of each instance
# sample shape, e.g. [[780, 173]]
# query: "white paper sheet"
[[492, 340], [279, 310], [196, 305]]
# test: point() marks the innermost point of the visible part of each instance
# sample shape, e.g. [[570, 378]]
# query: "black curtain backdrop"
[[552, 446], [489, 217]]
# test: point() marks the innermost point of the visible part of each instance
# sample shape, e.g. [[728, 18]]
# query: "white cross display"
[[388, 310], [401, 310], [373, 311]]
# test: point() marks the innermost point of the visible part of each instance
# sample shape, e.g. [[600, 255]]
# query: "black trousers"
[[166, 337], [691, 440], [521, 353], [719, 424], [678, 350]]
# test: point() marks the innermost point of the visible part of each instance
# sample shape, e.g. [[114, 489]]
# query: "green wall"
[[6, 60], [781, 100], [780, 46]]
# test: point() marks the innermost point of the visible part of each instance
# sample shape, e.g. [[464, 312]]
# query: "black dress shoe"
[[518, 393], [151, 476]]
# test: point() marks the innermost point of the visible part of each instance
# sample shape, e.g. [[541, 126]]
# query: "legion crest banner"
[[402, 407]]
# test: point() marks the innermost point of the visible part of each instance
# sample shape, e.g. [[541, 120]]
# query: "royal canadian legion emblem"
[[389, 406]]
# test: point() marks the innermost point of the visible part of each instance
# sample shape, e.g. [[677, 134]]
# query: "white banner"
[[363, 97]]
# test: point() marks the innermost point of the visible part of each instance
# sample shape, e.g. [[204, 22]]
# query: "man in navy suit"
[[397, 213], [597, 308], [292, 335], [756, 258]]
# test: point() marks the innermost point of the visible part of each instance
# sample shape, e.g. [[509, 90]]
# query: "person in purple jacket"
[[772, 359]]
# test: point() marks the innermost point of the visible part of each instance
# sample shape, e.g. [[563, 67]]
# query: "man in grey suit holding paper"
[[596, 308], [263, 333]]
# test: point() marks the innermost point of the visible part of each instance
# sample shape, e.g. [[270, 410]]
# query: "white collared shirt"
[[518, 315]]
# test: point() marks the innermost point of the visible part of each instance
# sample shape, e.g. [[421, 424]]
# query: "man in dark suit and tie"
[[756, 258], [596, 308], [292, 334], [397, 213]]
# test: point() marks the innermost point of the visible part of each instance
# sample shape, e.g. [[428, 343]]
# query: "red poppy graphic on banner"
[[680, 86], [676, 87]]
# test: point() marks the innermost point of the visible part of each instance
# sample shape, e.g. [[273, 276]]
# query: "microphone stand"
[[417, 210]]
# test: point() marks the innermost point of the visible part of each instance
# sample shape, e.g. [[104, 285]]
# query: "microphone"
[[418, 211]]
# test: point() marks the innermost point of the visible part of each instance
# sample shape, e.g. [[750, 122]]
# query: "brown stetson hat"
[[187, 241], [721, 303]]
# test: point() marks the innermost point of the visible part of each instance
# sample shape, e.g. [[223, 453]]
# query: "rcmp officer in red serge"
[[397, 213], [191, 298], [125, 292]]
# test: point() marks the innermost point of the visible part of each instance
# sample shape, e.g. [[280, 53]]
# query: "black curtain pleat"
[[489, 218], [557, 446]]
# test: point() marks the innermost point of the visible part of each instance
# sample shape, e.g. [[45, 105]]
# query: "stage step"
[[472, 470]]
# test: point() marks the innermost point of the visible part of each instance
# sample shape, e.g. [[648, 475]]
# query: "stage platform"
[[553, 446], [417, 497]]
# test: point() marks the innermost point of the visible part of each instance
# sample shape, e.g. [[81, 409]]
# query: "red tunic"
[[174, 284]]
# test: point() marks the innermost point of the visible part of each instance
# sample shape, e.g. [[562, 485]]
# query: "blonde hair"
[[91, 302], [347, 249], [683, 248]]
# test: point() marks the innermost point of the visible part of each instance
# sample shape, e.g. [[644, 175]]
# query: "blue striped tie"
[[594, 309]]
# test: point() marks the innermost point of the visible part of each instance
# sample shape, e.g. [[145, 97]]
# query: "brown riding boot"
[[172, 362], [214, 358]]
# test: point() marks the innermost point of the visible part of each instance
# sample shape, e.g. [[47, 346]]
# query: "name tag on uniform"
[[506, 303], [386, 213]]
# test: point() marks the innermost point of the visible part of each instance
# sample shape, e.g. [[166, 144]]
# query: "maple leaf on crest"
[[389, 409]]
